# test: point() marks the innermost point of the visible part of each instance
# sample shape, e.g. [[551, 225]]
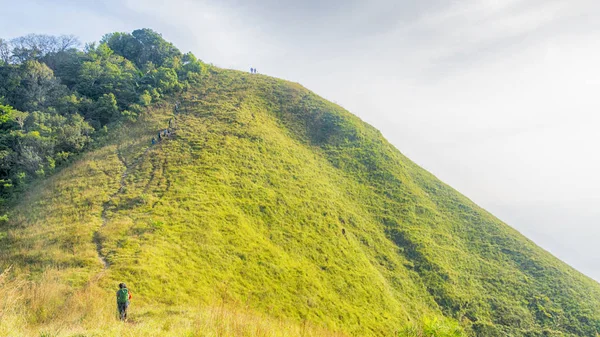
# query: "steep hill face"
[[270, 197]]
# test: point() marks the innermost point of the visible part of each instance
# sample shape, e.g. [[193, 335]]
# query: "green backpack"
[[122, 295]]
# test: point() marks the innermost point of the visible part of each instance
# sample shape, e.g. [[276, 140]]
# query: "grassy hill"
[[271, 212]]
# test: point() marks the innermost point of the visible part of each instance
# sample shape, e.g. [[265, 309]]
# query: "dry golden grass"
[[49, 308]]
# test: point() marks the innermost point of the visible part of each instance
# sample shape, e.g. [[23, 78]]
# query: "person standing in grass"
[[123, 298]]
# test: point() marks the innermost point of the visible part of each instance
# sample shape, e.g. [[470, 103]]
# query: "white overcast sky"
[[499, 99]]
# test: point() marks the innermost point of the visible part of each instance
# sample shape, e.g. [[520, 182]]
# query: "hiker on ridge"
[[123, 298]]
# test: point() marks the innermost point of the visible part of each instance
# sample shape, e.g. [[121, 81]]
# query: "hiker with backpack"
[[123, 298]]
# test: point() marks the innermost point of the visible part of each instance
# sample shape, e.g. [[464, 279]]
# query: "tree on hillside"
[[66, 65], [142, 46], [123, 44], [30, 86], [36, 46], [104, 110], [6, 114], [155, 49], [31, 143], [4, 52], [39, 89], [191, 68], [106, 73]]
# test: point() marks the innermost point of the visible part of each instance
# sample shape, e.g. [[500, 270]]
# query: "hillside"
[[270, 212]]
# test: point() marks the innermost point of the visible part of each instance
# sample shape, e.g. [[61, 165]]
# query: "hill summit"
[[265, 211]]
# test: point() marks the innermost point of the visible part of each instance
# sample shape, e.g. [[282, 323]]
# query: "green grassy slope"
[[273, 199]]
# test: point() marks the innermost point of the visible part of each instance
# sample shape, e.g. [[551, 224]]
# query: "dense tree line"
[[55, 97]]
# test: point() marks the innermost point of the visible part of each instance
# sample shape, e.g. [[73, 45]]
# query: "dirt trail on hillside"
[[107, 204]]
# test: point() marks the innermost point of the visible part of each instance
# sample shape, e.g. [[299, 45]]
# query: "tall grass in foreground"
[[50, 308]]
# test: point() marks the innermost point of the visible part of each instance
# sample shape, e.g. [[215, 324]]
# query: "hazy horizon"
[[496, 98]]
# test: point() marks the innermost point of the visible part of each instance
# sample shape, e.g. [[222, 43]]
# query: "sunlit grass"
[[271, 213], [49, 308]]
